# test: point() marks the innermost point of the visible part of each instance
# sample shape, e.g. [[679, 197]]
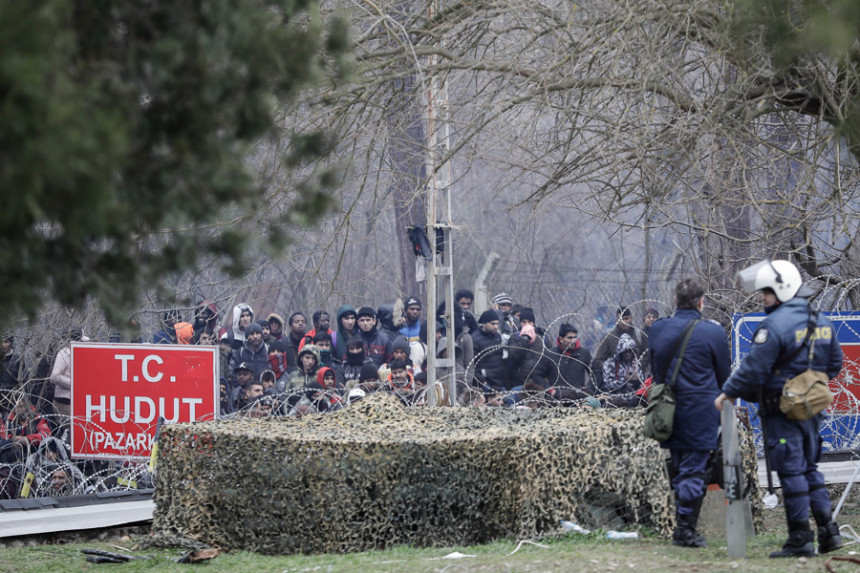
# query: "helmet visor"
[[758, 276]]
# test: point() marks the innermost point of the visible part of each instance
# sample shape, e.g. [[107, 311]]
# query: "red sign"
[[119, 391]]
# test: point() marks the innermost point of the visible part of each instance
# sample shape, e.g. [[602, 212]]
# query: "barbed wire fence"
[[45, 468]]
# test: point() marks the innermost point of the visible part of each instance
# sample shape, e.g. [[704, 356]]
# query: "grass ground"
[[570, 552], [566, 553]]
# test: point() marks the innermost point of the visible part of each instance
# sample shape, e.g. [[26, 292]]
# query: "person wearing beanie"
[[349, 369], [487, 316], [369, 378], [566, 365], [490, 363], [377, 345], [368, 373], [411, 327], [254, 351], [527, 316]]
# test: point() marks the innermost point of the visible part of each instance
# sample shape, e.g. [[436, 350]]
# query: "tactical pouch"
[[805, 395]]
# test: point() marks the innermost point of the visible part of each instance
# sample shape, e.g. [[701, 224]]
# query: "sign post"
[[119, 392]]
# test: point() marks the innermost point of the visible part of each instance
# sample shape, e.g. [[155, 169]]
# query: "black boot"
[[685, 534], [799, 543], [829, 538], [828, 532]]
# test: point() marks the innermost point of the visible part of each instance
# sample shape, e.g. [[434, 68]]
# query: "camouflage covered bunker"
[[377, 474]]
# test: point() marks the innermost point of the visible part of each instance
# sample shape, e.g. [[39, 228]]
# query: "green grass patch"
[[571, 552]]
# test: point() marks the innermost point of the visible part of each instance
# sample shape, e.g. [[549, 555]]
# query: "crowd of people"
[[502, 357], [294, 366], [298, 365]]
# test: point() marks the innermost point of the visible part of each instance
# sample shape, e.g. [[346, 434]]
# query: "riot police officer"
[[779, 352]]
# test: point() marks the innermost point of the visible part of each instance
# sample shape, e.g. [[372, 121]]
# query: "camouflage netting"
[[377, 474]]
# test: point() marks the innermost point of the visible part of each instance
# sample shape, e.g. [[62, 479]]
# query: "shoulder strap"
[[687, 335], [681, 340], [810, 330]]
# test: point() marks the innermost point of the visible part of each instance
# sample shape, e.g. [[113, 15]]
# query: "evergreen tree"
[[125, 131]]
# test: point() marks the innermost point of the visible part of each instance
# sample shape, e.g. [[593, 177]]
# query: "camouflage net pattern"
[[377, 474]]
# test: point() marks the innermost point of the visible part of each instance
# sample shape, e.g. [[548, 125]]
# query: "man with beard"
[[254, 351], [566, 365]]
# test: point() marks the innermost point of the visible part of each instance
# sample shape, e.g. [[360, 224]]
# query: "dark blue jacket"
[[778, 336], [706, 365]]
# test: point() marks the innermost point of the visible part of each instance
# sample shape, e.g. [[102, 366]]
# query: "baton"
[[764, 440]]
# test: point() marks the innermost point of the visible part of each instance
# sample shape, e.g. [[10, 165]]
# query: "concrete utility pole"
[[440, 271]]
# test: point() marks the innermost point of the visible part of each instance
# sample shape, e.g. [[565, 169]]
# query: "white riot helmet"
[[782, 277]]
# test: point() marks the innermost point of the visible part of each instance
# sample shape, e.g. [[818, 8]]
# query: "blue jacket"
[[778, 336], [706, 365]]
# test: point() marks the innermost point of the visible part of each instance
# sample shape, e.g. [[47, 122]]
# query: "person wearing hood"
[[608, 346], [254, 351], [622, 375], [309, 364], [243, 316], [791, 339], [346, 327], [567, 364], [389, 319], [349, 369], [327, 378], [205, 319], [278, 365], [276, 326], [377, 345]]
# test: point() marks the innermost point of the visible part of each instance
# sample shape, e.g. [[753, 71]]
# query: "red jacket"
[[35, 431]]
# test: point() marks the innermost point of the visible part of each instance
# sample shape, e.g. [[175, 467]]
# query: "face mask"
[[355, 358]]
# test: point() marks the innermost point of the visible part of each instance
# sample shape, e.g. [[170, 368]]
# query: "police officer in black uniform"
[[779, 352]]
